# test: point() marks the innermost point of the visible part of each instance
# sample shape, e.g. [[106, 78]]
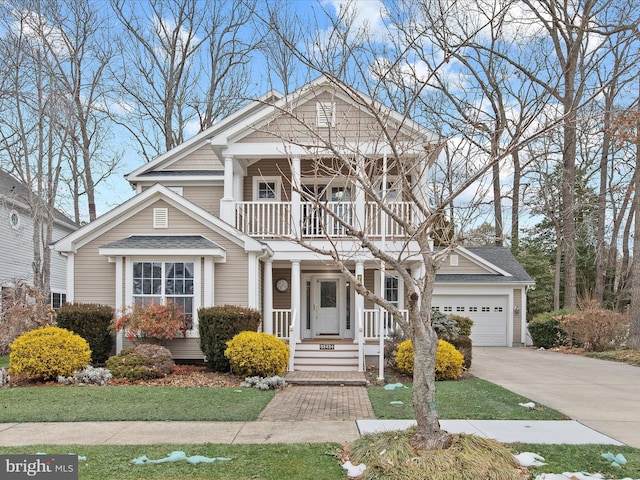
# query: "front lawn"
[[462, 399], [129, 403], [308, 461], [106, 462], [631, 357]]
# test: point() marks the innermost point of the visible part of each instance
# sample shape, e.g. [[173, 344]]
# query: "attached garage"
[[488, 312]]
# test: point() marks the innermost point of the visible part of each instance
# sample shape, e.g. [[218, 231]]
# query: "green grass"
[[631, 357], [4, 361], [582, 458], [120, 403], [463, 399], [308, 461], [277, 461]]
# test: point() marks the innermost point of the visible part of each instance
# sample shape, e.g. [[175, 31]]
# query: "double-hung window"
[[162, 283]]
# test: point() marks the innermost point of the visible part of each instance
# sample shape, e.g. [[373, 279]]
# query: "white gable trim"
[[89, 232]]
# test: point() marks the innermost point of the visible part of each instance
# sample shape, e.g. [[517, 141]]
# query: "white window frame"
[[197, 283], [392, 194], [256, 188]]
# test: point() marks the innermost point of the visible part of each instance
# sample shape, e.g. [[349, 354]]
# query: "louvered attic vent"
[[160, 218], [325, 114]]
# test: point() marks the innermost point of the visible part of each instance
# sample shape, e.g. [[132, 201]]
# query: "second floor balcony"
[[330, 219]]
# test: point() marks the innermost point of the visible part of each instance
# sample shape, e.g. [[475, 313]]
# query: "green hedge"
[[218, 325], [546, 328], [90, 321]]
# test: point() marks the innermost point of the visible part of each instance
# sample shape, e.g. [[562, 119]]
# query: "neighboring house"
[[211, 224], [16, 240]]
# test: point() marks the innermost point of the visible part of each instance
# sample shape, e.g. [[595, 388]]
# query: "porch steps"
[[326, 356], [310, 377]]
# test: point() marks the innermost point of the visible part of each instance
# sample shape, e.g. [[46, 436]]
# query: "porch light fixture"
[[516, 309]]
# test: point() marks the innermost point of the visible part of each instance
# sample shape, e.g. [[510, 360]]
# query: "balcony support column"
[[296, 183], [226, 203], [360, 203]]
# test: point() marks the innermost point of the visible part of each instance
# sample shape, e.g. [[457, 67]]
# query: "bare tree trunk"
[[633, 341], [515, 203]]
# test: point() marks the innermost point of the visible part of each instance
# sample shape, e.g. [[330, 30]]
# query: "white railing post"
[[292, 341], [361, 359], [381, 345]]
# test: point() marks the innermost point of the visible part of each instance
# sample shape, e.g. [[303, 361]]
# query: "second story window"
[[266, 189]]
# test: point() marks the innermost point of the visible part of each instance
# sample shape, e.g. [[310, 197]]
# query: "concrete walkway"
[[602, 395]]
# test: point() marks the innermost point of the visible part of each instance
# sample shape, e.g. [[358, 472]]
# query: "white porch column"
[[295, 197], [359, 299], [226, 203], [295, 299], [360, 202], [267, 297]]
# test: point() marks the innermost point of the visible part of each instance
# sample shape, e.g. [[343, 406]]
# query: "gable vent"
[[453, 260], [160, 218], [325, 114]]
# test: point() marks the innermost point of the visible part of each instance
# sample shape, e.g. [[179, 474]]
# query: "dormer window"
[[325, 114]]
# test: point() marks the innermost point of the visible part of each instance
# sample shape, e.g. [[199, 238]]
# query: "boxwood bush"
[[257, 354], [90, 321], [218, 325], [546, 328], [448, 360]]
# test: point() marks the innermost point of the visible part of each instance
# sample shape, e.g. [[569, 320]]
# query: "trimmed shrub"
[[448, 360], [92, 322], [218, 325], [446, 328], [546, 329], [141, 362], [464, 345], [596, 329], [464, 324], [257, 354], [142, 323], [49, 352]]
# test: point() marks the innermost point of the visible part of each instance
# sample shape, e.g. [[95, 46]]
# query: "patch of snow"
[[178, 456], [393, 386], [616, 460], [529, 459], [354, 470], [528, 405]]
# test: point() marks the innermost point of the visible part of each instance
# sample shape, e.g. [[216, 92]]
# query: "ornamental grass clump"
[[144, 323], [257, 354], [49, 352], [389, 455], [448, 360]]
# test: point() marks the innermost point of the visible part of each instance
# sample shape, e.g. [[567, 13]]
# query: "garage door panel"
[[488, 312]]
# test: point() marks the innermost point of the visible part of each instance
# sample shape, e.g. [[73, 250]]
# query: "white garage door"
[[488, 312]]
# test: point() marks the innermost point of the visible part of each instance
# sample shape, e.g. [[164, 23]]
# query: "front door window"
[[327, 310]]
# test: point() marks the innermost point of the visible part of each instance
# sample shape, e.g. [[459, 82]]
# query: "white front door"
[[327, 306]]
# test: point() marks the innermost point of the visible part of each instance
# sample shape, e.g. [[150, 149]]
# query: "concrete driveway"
[[600, 394]]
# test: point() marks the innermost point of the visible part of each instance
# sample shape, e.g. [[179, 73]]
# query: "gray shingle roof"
[[12, 190], [159, 242], [498, 256]]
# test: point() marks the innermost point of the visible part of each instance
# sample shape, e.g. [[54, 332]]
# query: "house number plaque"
[[327, 346]]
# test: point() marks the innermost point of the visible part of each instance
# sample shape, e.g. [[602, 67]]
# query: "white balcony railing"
[[282, 323], [372, 325], [274, 219]]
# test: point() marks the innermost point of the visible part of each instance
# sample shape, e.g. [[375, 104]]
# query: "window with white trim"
[[58, 299], [161, 283], [266, 189]]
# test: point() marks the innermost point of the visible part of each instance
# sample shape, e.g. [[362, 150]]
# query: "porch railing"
[[274, 219], [372, 324], [282, 323]]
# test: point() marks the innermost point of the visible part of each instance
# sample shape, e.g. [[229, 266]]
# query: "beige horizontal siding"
[[201, 159], [94, 275], [206, 197], [517, 317], [465, 266]]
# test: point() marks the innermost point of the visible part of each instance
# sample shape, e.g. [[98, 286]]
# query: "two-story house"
[[213, 222], [17, 240]]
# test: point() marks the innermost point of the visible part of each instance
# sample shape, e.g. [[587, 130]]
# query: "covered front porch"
[[328, 325]]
